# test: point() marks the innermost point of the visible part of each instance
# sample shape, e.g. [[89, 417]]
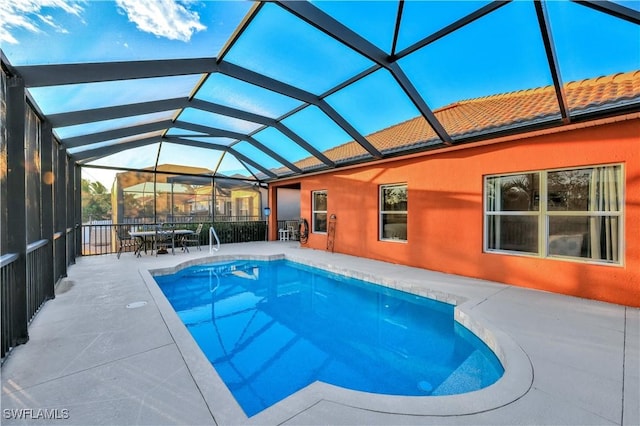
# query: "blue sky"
[[63, 31], [500, 53], [57, 31]]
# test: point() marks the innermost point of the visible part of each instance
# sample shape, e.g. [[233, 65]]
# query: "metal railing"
[[71, 246], [39, 281], [213, 237], [8, 275], [285, 224], [98, 239], [24, 289], [59, 255], [28, 281]]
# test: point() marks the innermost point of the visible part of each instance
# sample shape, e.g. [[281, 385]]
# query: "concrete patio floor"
[[91, 360]]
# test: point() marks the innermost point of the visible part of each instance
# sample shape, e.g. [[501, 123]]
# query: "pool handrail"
[[212, 235]]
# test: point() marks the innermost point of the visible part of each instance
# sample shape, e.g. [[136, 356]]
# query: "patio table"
[[143, 237]]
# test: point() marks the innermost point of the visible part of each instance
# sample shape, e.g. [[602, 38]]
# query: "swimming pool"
[[272, 328]]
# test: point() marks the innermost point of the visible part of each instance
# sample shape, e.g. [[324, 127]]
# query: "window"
[[319, 217], [513, 212], [573, 213], [244, 206], [393, 212]]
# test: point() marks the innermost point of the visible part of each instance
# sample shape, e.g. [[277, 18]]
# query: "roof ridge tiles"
[[617, 78], [498, 111]]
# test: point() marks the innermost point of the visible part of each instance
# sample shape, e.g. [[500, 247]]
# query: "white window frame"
[[382, 212], [544, 214], [314, 211]]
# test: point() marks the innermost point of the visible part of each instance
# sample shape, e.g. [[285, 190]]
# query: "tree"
[[96, 201]]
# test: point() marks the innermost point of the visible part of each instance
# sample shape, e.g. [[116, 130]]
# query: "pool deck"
[[91, 360]]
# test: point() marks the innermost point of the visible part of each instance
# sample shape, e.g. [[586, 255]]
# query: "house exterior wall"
[[246, 203], [446, 213]]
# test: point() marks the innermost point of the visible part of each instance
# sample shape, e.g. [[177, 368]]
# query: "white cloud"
[[163, 18], [49, 21], [27, 15]]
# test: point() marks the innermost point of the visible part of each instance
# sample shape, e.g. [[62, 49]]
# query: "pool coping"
[[515, 382]]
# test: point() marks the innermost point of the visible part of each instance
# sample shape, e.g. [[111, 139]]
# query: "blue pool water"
[[272, 328]]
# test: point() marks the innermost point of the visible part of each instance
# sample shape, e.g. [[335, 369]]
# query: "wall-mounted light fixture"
[[267, 212]]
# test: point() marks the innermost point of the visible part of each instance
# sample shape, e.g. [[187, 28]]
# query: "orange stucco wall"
[[445, 219]]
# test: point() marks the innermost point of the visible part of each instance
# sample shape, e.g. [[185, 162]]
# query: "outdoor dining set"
[[156, 238]]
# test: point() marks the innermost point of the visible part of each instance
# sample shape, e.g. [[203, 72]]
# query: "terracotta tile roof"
[[474, 116]]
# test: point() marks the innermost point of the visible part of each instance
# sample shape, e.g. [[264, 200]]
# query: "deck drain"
[[134, 305]]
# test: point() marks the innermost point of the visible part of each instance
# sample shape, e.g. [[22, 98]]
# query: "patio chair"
[[125, 240], [193, 238], [283, 234], [292, 227], [164, 238]]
